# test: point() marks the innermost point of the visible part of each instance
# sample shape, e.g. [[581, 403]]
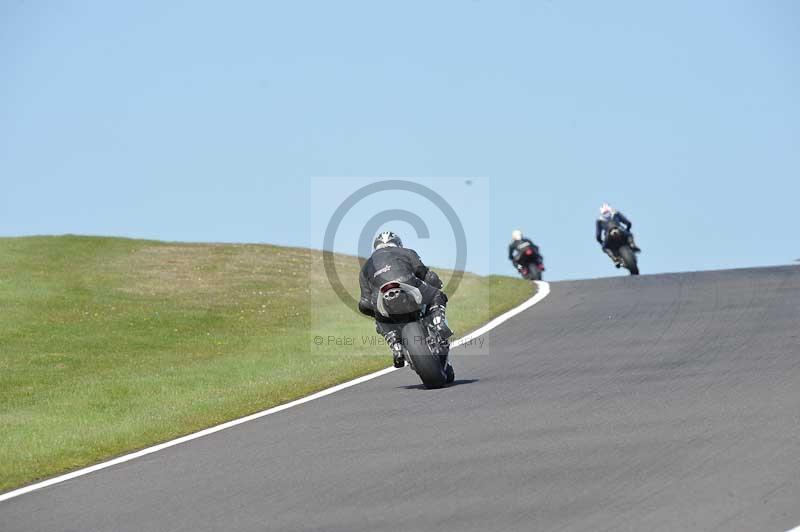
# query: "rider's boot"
[[633, 245], [439, 321], [450, 373], [398, 360], [440, 324]]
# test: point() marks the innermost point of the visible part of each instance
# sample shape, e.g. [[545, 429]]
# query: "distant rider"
[[391, 262], [518, 246], [611, 216]]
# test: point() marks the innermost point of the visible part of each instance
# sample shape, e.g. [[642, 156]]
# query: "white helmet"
[[606, 212], [387, 238], [516, 234]]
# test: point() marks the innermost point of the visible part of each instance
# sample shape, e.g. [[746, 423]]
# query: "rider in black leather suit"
[[391, 262]]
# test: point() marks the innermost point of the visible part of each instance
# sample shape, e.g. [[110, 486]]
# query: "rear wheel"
[[629, 259], [530, 271], [427, 365]]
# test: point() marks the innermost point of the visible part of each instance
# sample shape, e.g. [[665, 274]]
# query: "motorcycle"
[[424, 349], [530, 265], [617, 241]]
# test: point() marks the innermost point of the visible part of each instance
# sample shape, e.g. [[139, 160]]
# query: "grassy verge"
[[108, 345]]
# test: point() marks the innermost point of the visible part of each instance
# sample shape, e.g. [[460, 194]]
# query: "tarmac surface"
[[665, 402]]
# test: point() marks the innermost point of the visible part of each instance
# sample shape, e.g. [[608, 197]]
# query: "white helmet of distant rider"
[[606, 212], [387, 239], [516, 234]]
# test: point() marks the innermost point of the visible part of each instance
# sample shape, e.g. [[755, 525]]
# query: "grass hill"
[[108, 345]]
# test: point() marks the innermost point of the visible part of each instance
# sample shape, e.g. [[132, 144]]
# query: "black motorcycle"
[[530, 264], [425, 351], [618, 242]]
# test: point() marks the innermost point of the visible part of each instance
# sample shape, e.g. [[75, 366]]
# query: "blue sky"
[[207, 121]]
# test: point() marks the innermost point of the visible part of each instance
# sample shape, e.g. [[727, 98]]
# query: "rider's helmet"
[[516, 234], [606, 212], [385, 239]]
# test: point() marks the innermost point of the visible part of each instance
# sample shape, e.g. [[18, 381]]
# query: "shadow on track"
[[456, 382]]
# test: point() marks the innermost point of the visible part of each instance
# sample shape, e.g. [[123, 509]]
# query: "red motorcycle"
[[530, 264]]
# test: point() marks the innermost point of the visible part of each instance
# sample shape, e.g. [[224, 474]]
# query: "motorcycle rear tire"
[[629, 259], [427, 365], [534, 274]]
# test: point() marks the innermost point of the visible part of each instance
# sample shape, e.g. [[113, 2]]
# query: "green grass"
[[108, 345]]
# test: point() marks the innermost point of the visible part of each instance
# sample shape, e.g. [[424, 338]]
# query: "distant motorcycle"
[[530, 264], [617, 242], [424, 349]]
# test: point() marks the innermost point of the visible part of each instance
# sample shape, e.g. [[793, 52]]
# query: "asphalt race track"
[[667, 402]]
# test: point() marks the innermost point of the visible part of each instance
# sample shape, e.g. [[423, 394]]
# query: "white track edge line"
[[541, 293]]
